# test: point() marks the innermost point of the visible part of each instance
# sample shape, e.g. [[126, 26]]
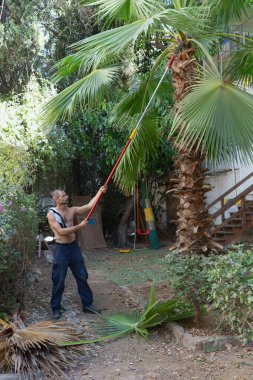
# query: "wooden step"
[[233, 226], [247, 212], [239, 219], [224, 232]]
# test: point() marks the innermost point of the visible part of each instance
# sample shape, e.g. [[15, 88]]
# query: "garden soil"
[[121, 282]]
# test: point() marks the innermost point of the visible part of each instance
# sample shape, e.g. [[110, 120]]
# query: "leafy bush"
[[18, 230], [231, 288], [225, 282], [20, 133], [187, 275]]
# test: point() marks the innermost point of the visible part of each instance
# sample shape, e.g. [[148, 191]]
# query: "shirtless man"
[[67, 252]]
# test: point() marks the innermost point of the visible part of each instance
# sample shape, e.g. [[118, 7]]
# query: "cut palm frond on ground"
[[154, 313], [32, 349]]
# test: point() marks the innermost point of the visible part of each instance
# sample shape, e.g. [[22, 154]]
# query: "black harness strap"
[[62, 223]]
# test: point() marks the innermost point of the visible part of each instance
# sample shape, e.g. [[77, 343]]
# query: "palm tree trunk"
[[189, 187], [193, 221]]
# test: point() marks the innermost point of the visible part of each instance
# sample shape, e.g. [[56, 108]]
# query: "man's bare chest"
[[67, 216]]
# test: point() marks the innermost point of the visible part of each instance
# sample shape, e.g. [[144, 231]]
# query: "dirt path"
[[130, 358]]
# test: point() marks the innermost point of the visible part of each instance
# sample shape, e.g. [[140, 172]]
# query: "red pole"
[[111, 174], [121, 155]]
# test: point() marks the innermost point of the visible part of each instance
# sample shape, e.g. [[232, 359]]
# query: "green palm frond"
[[125, 10], [178, 4], [94, 50], [216, 118], [240, 65], [136, 101], [155, 313], [171, 310], [143, 145], [192, 21], [231, 10], [124, 324], [88, 90], [140, 94]]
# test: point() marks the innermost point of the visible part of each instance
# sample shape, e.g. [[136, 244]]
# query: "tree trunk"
[[122, 229], [193, 221]]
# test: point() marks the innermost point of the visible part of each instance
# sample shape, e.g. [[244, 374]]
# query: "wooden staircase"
[[235, 216]]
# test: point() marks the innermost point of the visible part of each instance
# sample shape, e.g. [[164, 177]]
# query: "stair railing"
[[221, 199], [240, 213]]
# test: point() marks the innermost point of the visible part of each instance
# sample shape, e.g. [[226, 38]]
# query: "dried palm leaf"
[[27, 350]]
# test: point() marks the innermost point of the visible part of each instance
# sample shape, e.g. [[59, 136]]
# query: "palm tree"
[[212, 116]]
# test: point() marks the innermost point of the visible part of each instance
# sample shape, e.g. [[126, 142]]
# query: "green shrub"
[[224, 282], [18, 231], [187, 275], [231, 288]]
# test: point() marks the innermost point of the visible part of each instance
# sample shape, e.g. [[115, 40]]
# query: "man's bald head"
[[56, 194]]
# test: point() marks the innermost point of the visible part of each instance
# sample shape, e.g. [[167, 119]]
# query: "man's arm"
[[64, 231], [85, 208]]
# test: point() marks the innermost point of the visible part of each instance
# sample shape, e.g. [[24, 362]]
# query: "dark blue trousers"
[[69, 255]]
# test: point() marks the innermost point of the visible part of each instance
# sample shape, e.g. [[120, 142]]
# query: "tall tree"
[[33, 34], [212, 116]]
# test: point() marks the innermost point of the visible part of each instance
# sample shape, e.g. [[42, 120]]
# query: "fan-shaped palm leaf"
[[152, 315], [35, 348], [125, 10], [98, 48], [94, 50], [155, 313], [88, 90], [216, 117], [240, 65], [229, 10], [192, 20]]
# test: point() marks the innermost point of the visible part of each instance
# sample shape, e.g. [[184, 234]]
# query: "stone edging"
[[201, 343]]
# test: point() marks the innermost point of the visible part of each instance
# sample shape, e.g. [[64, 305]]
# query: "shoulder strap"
[[59, 219]]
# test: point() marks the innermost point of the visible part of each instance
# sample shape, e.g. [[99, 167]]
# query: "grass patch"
[[134, 268]]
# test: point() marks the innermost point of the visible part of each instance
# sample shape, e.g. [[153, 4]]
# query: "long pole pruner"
[[168, 66]]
